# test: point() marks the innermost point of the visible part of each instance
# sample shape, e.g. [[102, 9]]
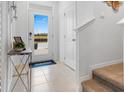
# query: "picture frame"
[[115, 5], [18, 39]]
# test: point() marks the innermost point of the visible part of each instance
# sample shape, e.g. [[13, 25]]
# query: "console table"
[[21, 68]]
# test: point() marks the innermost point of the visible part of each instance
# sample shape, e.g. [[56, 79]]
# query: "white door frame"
[[39, 10], [78, 89]]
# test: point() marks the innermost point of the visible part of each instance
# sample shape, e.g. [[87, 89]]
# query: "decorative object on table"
[[18, 39], [18, 45], [114, 4]]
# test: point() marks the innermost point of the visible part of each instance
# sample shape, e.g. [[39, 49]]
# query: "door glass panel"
[[40, 34]]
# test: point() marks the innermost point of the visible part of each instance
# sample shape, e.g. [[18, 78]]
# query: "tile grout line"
[[45, 76]]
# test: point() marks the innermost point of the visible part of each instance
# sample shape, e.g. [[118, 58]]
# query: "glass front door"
[[40, 40], [40, 34]]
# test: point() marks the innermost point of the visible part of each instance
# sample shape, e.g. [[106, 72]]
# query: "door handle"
[[30, 35], [73, 39]]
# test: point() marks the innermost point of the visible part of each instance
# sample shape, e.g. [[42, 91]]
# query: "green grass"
[[40, 37]]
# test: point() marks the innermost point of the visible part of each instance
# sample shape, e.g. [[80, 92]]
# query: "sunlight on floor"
[[41, 51]]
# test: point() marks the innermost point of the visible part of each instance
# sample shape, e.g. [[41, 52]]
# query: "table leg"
[[19, 74]]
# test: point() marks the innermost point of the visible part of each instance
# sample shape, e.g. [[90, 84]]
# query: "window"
[[40, 34]]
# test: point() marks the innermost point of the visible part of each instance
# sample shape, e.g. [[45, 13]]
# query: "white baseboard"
[[85, 77], [102, 64], [92, 67]]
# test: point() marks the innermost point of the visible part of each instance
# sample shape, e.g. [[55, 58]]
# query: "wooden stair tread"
[[94, 86], [112, 74]]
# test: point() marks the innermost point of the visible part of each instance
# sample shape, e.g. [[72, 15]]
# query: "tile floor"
[[53, 78], [41, 51]]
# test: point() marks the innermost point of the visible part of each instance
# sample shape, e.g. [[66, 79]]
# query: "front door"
[[70, 38], [40, 33]]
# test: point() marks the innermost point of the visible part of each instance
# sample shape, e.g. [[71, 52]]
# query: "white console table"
[[22, 68]]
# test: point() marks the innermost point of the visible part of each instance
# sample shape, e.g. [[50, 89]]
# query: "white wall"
[[4, 51], [21, 24], [84, 12], [101, 41]]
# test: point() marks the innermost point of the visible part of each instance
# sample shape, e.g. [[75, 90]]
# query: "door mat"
[[42, 63]]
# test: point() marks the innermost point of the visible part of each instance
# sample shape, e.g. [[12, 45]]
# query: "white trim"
[[84, 24], [102, 64], [85, 77], [77, 51], [121, 22]]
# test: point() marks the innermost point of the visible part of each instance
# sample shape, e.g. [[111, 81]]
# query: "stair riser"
[[86, 89], [105, 82]]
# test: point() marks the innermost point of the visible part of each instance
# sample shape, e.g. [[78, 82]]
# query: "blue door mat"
[[42, 63]]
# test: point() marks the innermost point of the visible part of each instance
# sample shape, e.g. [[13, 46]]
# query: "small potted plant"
[[20, 46]]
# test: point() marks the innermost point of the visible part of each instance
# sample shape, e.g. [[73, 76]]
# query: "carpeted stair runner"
[[108, 78], [94, 86]]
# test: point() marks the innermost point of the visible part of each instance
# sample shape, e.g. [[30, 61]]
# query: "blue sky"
[[40, 24]]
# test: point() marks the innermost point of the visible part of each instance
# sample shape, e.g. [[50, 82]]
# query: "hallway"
[[53, 78], [80, 36]]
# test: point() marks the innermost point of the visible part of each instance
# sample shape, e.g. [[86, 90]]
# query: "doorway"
[[70, 38], [40, 33]]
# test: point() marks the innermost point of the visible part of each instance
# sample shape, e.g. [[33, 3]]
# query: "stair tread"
[[112, 74], [93, 86]]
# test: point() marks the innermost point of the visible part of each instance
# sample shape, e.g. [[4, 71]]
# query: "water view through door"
[[40, 31], [40, 34]]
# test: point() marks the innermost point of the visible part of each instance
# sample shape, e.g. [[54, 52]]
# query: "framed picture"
[[114, 4], [18, 39]]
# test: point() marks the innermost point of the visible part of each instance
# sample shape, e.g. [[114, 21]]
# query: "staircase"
[[105, 79]]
